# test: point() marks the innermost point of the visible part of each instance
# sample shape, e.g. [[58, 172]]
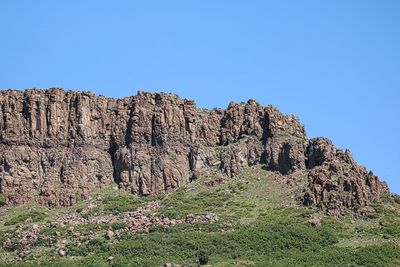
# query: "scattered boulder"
[[62, 252], [109, 234], [315, 221]]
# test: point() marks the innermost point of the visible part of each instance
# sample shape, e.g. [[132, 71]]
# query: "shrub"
[[118, 225], [203, 256], [158, 228], [97, 245], [2, 200], [396, 198]]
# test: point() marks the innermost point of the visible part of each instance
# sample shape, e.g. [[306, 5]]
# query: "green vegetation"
[[118, 225], [388, 226], [34, 215], [123, 202], [259, 225], [180, 204], [396, 199], [2, 200]]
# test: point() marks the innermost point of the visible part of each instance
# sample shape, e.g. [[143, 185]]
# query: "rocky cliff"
[[56, 146]]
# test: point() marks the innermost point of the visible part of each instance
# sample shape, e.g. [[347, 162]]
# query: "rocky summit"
[[57, 146]]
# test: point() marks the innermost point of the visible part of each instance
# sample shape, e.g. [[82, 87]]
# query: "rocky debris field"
[[139, 221]]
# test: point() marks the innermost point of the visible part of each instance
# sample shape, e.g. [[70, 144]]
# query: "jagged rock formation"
[[57, 146], [336, 183]]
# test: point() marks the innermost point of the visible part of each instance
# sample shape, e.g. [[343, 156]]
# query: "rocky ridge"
[[57, 146]]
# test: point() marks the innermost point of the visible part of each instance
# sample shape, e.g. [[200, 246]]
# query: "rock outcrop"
[[56, 146], [336, 183]]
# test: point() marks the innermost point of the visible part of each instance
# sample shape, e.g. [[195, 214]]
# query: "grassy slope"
[[259, 225]]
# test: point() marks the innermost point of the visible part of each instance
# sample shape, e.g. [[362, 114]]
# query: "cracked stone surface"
[[57, 146]]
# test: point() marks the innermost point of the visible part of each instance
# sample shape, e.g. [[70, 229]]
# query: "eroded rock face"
[[336, 183], [56, 146], [52, 176]]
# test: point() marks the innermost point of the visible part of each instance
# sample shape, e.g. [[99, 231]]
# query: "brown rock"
[[57, 146], [315, 221], [6, 243], [109, 234], [337, 183], [62, 252]]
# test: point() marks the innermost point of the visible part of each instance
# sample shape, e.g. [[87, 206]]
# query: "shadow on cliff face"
[[112, 150]]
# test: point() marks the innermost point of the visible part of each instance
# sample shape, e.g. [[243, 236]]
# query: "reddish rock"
[[62, 252], [109, 234], [315, 221], [57, 146], [336, 182]]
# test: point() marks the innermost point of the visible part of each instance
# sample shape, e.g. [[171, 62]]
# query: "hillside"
[[250, 220], [152, 180]]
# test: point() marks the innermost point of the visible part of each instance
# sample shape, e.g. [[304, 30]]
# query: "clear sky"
[[335, 64]]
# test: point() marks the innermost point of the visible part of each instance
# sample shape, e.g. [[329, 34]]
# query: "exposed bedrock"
[[56, 146], [336, 182]]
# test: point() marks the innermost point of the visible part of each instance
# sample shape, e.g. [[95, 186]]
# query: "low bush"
[[2, 200], [118, 225]]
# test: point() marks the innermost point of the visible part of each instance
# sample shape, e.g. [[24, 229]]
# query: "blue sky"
[[335, 64]]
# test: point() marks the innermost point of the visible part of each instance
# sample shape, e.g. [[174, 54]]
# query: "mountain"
[[57, 146], [82, 175]]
